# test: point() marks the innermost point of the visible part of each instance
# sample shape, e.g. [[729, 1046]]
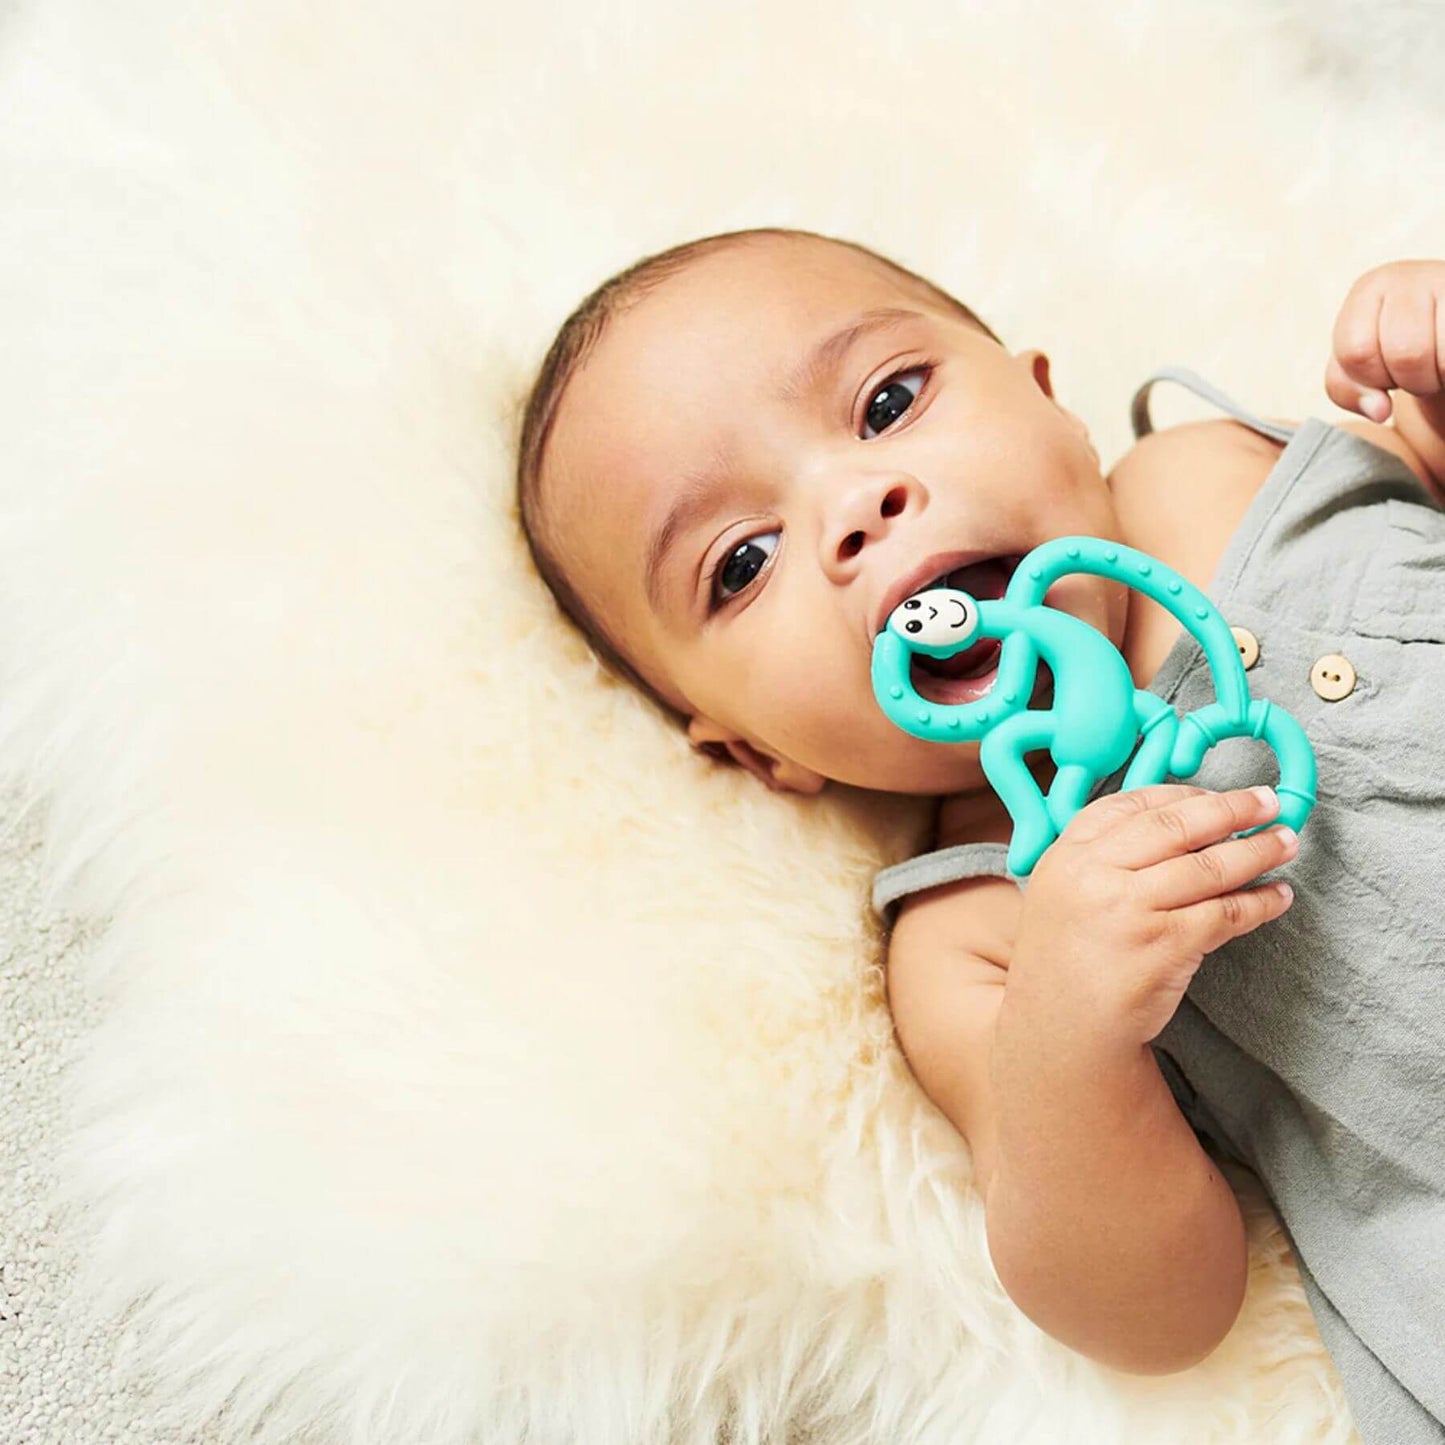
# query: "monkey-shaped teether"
[[1097, 715]]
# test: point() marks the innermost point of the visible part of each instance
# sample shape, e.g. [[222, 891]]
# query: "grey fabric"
[[1312, 1049], [1139, 410], [942, 865]]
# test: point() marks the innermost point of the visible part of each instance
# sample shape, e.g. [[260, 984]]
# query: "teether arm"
[[1108, 1224]]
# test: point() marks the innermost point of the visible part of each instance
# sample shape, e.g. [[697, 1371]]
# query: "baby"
[[741, 454]]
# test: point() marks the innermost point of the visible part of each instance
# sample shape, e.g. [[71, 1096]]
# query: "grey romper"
[[1312, 1049]]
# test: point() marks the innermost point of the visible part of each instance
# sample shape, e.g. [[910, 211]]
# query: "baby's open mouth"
[[970, 674]]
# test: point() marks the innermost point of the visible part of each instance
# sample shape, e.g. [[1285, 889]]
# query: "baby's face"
[[809, 497]]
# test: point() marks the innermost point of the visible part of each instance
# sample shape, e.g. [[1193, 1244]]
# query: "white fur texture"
[[474, 1062]]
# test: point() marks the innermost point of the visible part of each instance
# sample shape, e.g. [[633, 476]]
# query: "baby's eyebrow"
[[696, 497], [831, 350]]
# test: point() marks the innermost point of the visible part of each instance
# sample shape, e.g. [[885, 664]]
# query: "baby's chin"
[[927, 767]]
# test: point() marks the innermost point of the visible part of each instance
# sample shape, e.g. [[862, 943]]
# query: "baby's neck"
[[978, 815]]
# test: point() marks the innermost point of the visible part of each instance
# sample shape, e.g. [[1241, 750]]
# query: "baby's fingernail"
[[1265, 796], [1375, 404]]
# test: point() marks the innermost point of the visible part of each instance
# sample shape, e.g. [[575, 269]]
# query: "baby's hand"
[[1125, 905], [1390, 333]]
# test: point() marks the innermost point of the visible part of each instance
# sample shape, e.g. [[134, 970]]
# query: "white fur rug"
[[461, 1058]]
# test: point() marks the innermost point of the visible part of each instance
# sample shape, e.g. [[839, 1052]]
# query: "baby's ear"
[[705, 737], [735, 753], [1037, 363], [777, 774]]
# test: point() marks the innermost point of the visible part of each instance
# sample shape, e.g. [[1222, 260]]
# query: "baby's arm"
[[1110, 1226], [1112, 1229]]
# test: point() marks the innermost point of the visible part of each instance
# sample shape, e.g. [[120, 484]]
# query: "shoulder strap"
[[943, 865], [1139, 411]]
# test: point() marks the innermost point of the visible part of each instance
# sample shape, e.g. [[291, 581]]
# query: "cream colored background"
[[439, 1048]]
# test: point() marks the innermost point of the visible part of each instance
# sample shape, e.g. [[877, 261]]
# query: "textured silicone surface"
[[1097, 715]]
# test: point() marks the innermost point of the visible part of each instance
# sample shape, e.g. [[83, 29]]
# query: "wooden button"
[[1248, 645], [1332, 677]]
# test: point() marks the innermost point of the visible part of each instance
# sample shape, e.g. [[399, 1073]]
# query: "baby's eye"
[[892, 400], [738, 567]]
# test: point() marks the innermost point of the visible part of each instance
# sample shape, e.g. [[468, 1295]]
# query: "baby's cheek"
[[815, 710]]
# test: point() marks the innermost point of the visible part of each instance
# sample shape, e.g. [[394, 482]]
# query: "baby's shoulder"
[[1179, 494], [1173, 469], [1218, 459], [972, 920]]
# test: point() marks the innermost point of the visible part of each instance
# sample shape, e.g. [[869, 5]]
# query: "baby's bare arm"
[[1108, 1224]]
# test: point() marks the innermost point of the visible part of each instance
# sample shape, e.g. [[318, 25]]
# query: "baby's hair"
[[573, 343]]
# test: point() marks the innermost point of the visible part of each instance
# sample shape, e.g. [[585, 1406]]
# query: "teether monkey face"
[[939, 621]]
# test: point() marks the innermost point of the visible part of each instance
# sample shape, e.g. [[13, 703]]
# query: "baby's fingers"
[[1210, 924], [1370, 402], [1390, 334], [1410, 342], [1180, 827], [1216, 870], [1103, 815]]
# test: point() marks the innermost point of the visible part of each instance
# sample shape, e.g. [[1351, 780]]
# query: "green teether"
[[1097, 715]]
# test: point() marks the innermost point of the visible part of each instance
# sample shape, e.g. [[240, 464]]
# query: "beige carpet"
[[409, 1036]]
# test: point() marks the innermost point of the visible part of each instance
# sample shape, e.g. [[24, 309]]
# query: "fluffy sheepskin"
[[470, 1060]]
